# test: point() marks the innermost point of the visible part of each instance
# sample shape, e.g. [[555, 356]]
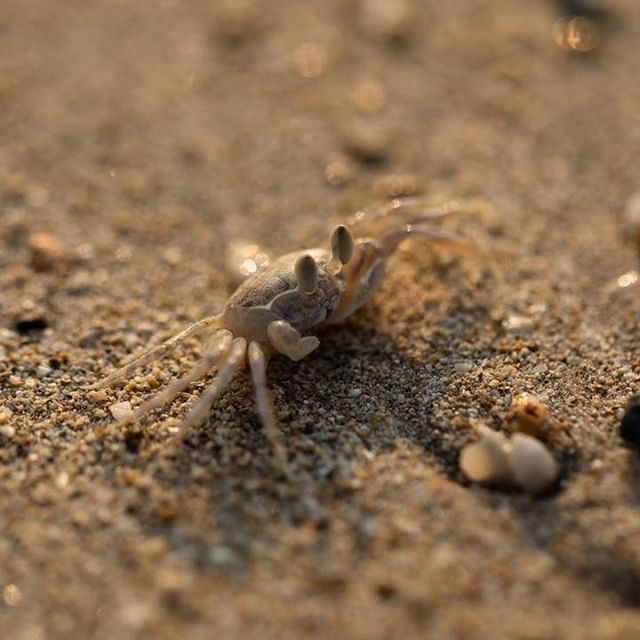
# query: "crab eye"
[[341, 244], [307, 273]]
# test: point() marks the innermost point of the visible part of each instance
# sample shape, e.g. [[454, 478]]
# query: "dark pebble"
[[630, 427], [30, 326]]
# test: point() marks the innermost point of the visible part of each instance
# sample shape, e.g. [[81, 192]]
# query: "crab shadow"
[[362, 393]]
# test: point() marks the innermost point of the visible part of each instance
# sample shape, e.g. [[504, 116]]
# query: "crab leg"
[[234, 359], [219, 345], [391, 242], [415, 211], [157, 352], [258, 364], [428, 212]]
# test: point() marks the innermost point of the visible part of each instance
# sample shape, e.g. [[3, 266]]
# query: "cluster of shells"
[[522, 461]]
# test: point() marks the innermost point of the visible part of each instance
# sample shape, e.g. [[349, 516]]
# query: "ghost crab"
[[276, 309]]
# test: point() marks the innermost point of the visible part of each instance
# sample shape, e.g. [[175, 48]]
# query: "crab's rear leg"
[[391, 241], [217, 347], [426, 210], [232, 363], [258, 365], [415, 210], [157, 352]]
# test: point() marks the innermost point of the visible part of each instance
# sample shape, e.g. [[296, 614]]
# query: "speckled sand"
[[138, 140]]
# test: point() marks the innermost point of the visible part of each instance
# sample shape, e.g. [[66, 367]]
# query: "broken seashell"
[[487, 460], [533, 467]]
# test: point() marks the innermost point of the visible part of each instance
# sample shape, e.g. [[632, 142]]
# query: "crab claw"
[[287, 340]]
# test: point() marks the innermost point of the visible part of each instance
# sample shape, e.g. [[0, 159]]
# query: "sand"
[[139, 141]]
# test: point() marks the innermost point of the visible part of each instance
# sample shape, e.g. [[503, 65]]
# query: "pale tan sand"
[[142, 138]]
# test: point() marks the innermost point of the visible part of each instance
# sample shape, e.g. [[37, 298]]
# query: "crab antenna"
[[307, 273], [341, 244]]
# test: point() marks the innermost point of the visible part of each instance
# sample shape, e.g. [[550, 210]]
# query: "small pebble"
[[515, 323], [98, 395], [522, 462], [630, 427], [310, 60], [49, 253], [5, 414], [395, 185], [7, 431], [120, 410], [367, 142], [529, 415], [487, 460], [388, 19], [237, 22], [534, 468], [11, 595], [579, 34], [339, 172]]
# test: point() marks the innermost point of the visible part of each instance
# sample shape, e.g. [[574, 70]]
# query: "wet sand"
[[138, 141]]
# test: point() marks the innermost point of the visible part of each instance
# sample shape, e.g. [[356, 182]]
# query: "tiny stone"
[[7, 431], [367, 142], [395, 185], [62, 480], [221, 556], [487, 460], [338, 172], [463, 366], [5, 414], [49, 253], [515, 323], [12, 596], [533, 466], [630, 427], [528, 415], [310, 60], [389, 19], [120, 410], [98, 395]]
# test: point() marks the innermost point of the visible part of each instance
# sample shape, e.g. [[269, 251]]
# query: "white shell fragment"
[[120, 410], [534, 468], [523, 462], [487, 460]]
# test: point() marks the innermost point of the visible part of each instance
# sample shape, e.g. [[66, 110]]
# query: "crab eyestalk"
[[306, 274], [341, 248]]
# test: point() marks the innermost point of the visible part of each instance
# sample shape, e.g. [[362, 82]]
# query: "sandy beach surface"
[[142, 143]]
